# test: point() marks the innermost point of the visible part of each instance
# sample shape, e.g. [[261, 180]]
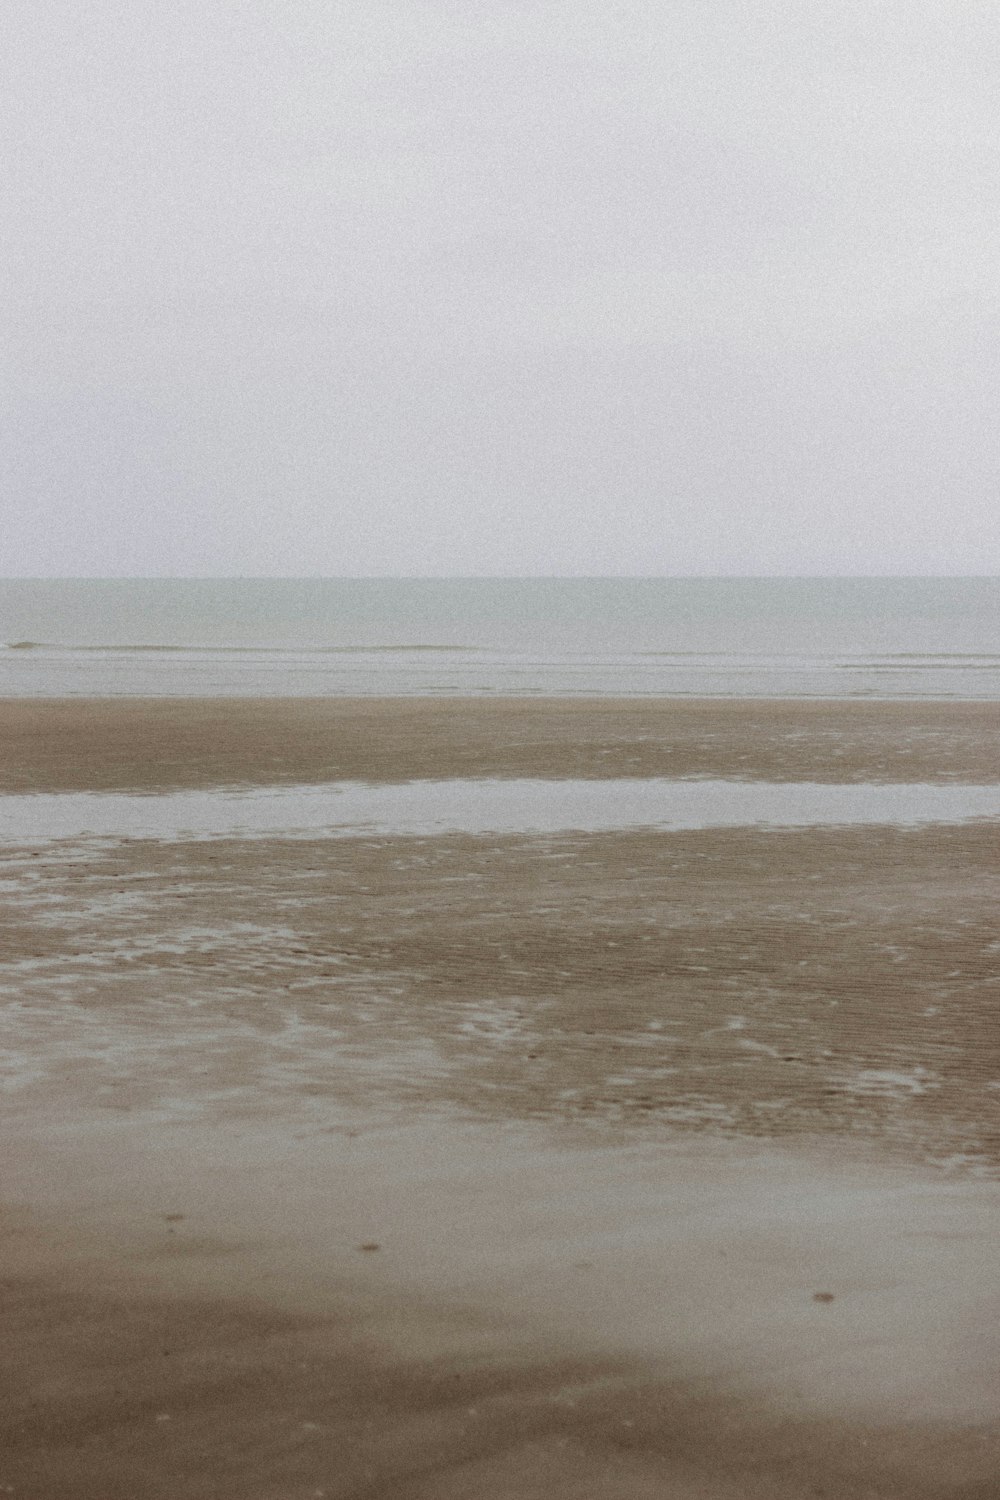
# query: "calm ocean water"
[[876, 638]]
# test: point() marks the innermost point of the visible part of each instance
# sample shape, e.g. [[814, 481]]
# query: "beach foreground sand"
[[646, 1164]]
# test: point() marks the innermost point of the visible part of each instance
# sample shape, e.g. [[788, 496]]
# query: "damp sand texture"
[[617, 1163]]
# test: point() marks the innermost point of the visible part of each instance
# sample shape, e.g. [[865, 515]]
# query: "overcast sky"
[[485, 287]]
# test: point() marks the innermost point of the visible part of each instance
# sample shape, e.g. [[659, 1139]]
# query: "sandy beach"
[[153, 744], [579, 1164]]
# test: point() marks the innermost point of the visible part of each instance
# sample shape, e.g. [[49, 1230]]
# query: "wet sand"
[[679, 1149], [79, 744], [435, 1309]]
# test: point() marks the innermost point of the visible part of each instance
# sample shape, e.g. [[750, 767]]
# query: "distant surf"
[[879, 638], [226, 649]]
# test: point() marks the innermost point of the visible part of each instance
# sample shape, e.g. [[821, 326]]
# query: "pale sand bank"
[[150, 744]]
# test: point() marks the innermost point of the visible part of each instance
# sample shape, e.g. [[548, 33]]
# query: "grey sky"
[[666, 286]]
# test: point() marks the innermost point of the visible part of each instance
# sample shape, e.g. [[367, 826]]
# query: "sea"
[[877, 638]]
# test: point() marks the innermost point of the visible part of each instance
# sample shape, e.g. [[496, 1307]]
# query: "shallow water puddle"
[[470, 806]]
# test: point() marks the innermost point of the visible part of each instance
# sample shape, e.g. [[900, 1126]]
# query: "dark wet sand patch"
[[542, 1319], [115, 1396]]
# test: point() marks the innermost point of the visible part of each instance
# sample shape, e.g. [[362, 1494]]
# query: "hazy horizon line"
[[484, 577]]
